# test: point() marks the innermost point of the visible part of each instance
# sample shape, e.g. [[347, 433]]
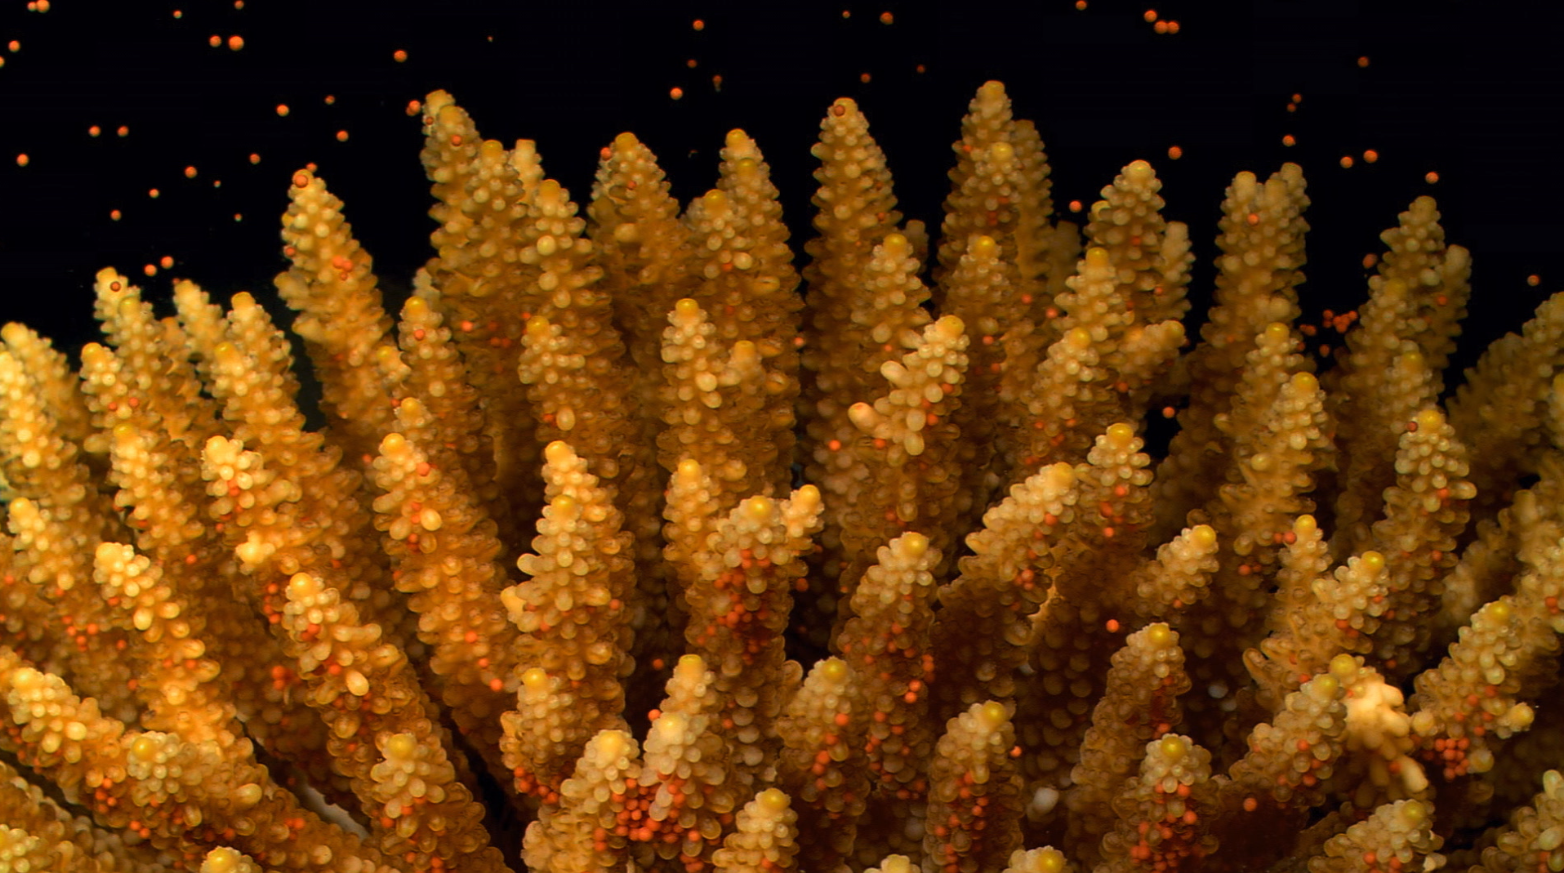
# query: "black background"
[[1450, 87]]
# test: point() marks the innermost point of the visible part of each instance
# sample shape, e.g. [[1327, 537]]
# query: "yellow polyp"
[[226, 354], [1120, 435], [1520, 717], [808, 497], [144, 748], [914, 544], [535, 679], [124, 432], [1059, 476], [401, 747], [524, 158], [92, 354], [1429, 418], [1203, 535], [687, 308], [537, 327], [1050, 860], [249, 794], [715, 203], [834, 670], [1173, 748], [547, 245], [992, 714], [565, 505], [950, 326], [984, 247], [612, 745], [242, 300], [1305, 382], [1305, 525], [863, 416], [747, 167], [1499, 611], [303, 586], [558, 453], [1097, 258], [1373, 562], [689, 668], [1276, 332], [1413, 813], [896, 245], [758, 509], [1344, 667], [689, 470], [1078, 338], [393, 444], [1325, 686], [1395, 287], [773, 800], [626, 141], [1002, 152], [430, 520], [1139, 171], [550, 194], [222, 860], [737, 138], [450, 116], [991, 97], [1160, 636]]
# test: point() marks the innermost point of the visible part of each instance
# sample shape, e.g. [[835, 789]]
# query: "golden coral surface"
[[626, 545]]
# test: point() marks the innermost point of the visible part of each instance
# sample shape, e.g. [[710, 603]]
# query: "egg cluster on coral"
[[619, 552]]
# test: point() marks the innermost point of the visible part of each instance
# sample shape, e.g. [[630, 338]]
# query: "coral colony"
[[627, 547]]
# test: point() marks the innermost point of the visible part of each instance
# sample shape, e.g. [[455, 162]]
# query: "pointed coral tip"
[[690, 667], [914, 544], [1160, 636], [1173, 748], [758, 509], [773, 800], [992, 713], [1120, 435]]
